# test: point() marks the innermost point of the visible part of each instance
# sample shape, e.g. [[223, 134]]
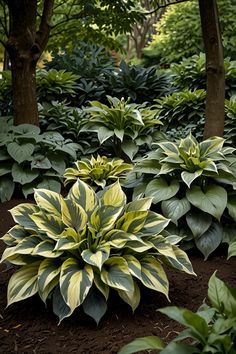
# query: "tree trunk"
[[25, 46], [214, 124]]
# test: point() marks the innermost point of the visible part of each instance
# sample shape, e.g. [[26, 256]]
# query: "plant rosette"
[[194, 185], [73, 251]]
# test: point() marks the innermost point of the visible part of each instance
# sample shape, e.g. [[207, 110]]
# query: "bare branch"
[[161, 6]]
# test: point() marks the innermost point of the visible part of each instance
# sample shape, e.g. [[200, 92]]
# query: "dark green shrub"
[[182, 112], [5, 94]]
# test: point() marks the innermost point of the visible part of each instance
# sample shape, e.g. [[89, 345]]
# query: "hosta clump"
[[194, 185], [97, 172], [75, 250], [126, 126]]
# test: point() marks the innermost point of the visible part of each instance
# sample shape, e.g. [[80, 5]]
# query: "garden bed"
[[29, 327]]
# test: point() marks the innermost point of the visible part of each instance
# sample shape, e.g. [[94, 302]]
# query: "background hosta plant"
[[194, 186], [97, 172], [127, 127], [75, 250], [212, 329], [31, 159]]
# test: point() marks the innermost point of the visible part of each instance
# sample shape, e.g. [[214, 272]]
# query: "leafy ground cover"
[[29, 327]]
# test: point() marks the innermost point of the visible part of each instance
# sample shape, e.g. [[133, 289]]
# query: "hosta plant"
[[212, 329], [74, 250], [31, 159], [194, 185], [97, 172], [126, 126]]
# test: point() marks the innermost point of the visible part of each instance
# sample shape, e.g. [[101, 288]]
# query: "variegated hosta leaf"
[[116, 274], [23, 283], [73, 215], [153, 275], [179, 260], [46, 249], [134, 265], [84, 196], [48, 201], [50, 224], [48, 277], [142, 204], [60, 308], [132, 298], [14, 235], [189, 177], [113, 195], [132, 221], [118, 239], [67, 242], [75, 282], [22, 215], [154, 224], [97, 257], [102, 287], [26, 246], [104, 217]]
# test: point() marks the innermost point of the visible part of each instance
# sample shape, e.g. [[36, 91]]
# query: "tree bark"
[[214, 123], [25, 46]]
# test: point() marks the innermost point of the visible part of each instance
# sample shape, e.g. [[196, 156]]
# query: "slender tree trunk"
[[25, 46], [214, 124]]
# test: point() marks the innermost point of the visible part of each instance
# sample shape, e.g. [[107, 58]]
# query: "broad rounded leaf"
[[83, 195], [96, 258], [48, 201], [175, 208], [20, 152], [23, 175], [95, 305], [113, 195], [73, 215], [212, 200], [7, 187], [210, 240], [198, 222], [160, 190]]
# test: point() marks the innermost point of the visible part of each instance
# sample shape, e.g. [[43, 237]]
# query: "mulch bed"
[[29, 327]]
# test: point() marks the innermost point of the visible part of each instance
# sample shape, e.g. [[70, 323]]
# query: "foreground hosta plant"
[[194, 185], [212, 329], [98, 172], [74, 250]]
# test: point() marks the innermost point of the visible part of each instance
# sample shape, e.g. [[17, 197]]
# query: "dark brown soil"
[[29, 327]]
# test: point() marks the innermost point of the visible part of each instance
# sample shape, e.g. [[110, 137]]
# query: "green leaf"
[[154, 224], [48, 272], [51, 184], [231, 205], [175, 208], [198, 222], [7, 187], [60, 308], [46, 249], [58, 163], [189, 177], [212, 200], [95, 305], [48, 223], [23, 283], [48, 201], [98, 257], [23, 175], [5, 168], [144, 343], [75, 282], [132, 298], [153, 275], [129, 148], [73, 215], [22, 215], [179, 348], [221, 296], [232, 249], [142, 204], [210, 240], [189, 319], [116, 274], [160, 190], [20, 152], [104, 134], [132, 222], [83, 195], [113, 195]]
